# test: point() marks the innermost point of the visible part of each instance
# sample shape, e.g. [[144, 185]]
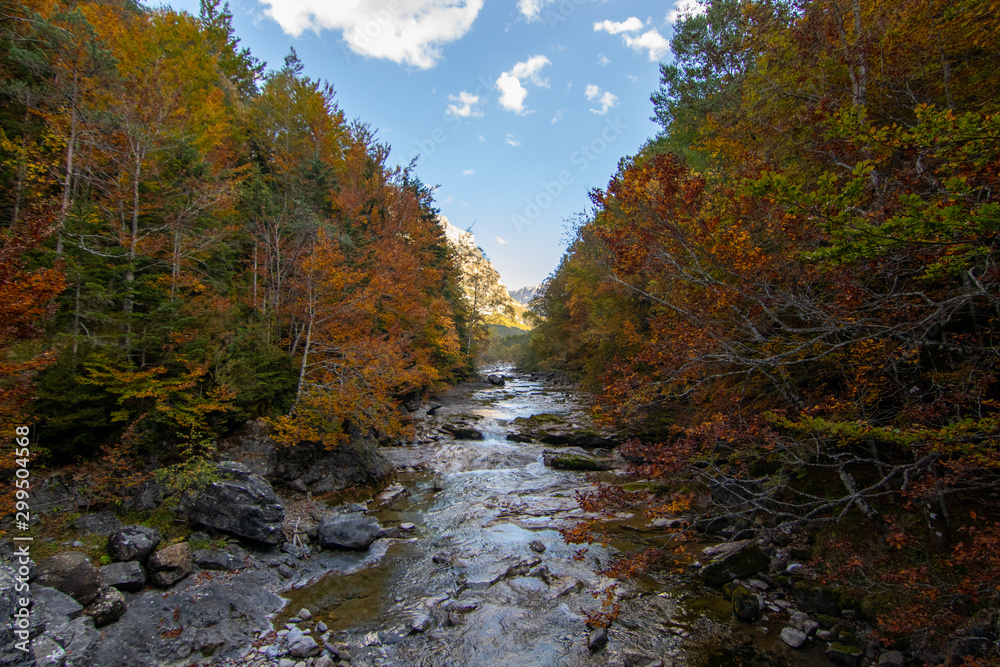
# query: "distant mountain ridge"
[[481, 282], [524, 295]]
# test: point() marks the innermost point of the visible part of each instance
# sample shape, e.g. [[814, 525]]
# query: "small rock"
[[306, 647], [170, 564], [407, 527], [597, 639], [391, 494], [321, 627], [792, 637], [107, 608], [537, 546], [323, 661]]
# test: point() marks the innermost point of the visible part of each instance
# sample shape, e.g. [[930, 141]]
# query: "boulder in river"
[[495, 379], [240, 503], [348, 531], [575, 458]]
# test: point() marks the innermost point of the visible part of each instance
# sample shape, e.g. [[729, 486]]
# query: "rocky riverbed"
[[459, 562]]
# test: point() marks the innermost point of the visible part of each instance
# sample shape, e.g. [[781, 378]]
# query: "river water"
[[465, 587]]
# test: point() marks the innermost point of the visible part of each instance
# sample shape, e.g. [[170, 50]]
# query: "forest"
[[789, 296], [191, 240]]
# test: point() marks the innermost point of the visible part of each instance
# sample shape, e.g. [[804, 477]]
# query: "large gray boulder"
[[71, 573], [348, 531], [240, 503], [133, 542], [357, 463]]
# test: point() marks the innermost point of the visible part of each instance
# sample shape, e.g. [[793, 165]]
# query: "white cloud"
[[468, 172], [607, 100], [532, 9], [482, 138], [464, 106], [602, 60], [501, 240], [557, 116], [683, 9], [512, 141], [403, 31], [631, 24], [510, 84], [651, 41]]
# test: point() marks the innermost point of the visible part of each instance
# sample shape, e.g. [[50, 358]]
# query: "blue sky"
[[516, 108]]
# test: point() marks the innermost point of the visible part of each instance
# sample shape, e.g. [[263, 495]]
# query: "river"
[[465, 587]]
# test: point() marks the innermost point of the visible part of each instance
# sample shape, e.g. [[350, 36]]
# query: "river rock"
[[305, 647], [746, 606], [391, 494], [217, 559], [135, 542], [792, 637], [71, 573], [170, 564], [240, 503], [100, 523], [348, 531], [462, 432], [107, 608], [575, 458], [495, 379], [845, 655], [126, 576], [743, 563], [537, 546]]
